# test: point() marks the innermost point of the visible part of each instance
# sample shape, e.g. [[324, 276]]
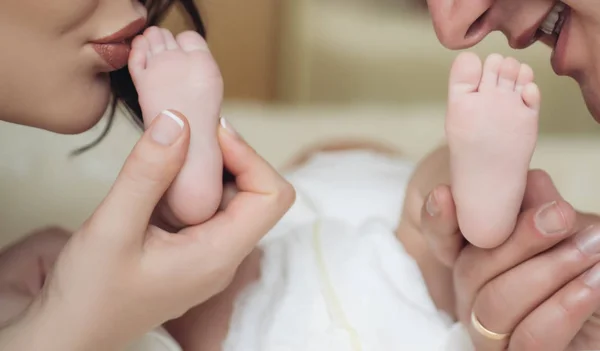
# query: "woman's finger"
[[263, 197], [230, 190], [537, 230], [555, 323], [439, 225], [505, 301], [148, 172]]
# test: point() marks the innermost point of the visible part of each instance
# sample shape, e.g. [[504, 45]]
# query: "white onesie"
[[333, 275]]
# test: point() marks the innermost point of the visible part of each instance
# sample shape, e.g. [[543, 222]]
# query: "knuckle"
[[444, 255], [222, 262], [220, 277], [465, 271], [225, 281], [143, 167], [573, 253], [449, 249], [427, 228], [285, 194], [531, 336], [492, 301], [88, 226], [561, 310], [95, 229], [538, 175], [526, 339], [51, 234]]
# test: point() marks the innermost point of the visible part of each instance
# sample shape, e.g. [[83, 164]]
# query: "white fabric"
[[157, 340], [333, 275]]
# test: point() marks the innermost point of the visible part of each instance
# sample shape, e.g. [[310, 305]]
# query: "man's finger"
[[540, 190], [440, 226], [476, 267], [505, 301], [554, 325]]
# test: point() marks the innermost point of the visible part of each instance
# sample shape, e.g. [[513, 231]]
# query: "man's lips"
[[530, 35]]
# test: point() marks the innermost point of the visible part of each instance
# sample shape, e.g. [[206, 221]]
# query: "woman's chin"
[[71, 127], [76, 120]]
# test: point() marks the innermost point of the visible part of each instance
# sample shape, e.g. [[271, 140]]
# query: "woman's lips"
[[116, 54], [114, 49]]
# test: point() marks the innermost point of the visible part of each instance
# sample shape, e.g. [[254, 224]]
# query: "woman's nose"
[[460, 24]]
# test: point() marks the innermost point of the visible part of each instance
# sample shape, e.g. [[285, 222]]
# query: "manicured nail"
[[588, 241], [592, 277], [167, 129], [550, 219], [228, 127], [431, 206]]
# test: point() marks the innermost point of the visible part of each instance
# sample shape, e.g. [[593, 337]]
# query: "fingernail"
[[588, 240], [228, 127], [592, 277], [167, 129], [550, 219], [432, 206]]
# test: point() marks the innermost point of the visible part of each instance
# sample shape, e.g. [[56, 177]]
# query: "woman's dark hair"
[[124, 93]]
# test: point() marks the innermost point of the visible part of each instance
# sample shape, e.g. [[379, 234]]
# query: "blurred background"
[[298, 72], [356, 52]]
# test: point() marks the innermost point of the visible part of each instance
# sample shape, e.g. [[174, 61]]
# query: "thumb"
[[439, 225], [147, 174]]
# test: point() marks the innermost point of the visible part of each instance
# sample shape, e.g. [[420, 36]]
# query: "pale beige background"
[[41, 185], [343, 70]]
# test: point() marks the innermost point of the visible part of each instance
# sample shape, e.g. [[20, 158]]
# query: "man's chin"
[[592, 101], [594, 109]]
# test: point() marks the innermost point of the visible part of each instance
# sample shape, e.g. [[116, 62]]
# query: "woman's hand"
[[118, 277], [540, 288]]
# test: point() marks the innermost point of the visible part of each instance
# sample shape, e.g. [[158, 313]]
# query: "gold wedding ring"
[[483, 331]]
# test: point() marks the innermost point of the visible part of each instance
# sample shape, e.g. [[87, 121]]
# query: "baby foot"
[[491, 126], [181, 74]]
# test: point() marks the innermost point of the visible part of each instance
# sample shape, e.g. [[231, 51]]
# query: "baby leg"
[[181, 74], [491, 126]]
